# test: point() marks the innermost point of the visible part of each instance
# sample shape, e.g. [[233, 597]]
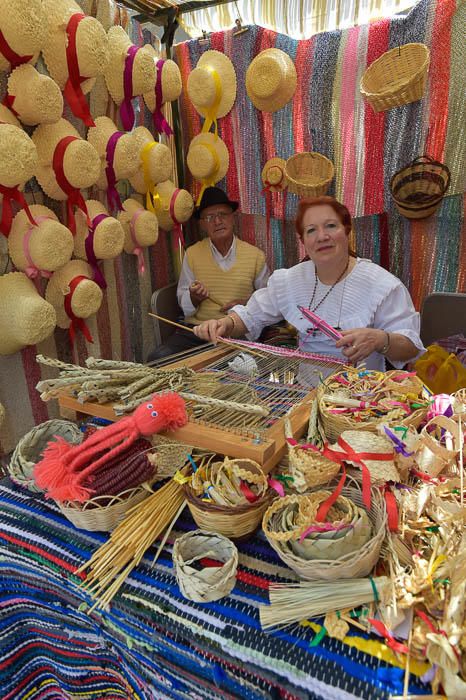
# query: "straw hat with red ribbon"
[[18, 163], [25, 317], [271, 80], [130, 72], [141, 229], [167, 89], [75, 52], [155, 164], [173, 207], [212, 87], [102, 240], [22, 32], [33, 97], [208, 160], [118, 153], [67, 163], [41, 249], [274, 180], [75, 296]]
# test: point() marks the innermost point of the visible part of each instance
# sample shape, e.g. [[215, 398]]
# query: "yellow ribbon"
[[148, 184], [210, 181], [433, 566], [180, 479], [211, 112]]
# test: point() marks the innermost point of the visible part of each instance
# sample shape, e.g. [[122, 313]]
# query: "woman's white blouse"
[[369, 297]]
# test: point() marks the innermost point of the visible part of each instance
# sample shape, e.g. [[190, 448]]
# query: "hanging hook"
[[239, 27], [205, 37]]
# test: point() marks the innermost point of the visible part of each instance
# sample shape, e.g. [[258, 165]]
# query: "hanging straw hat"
[[141, 229], [102, 240], [41, 249], [155, 161], [212, 86], [271, 80], [273, 175], [23, 26], [172, 205], [36, 98], [25, 317], [167, 89], [207, 159]]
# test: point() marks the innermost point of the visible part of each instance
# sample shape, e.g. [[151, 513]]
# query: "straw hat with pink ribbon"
[[173, 207], [212, 87], [141, 229], [38, 250], [67, 164], [102, 240], [167, 89], [208, 160], [130, 72], [18, 163], [22, 32], [33, 97], [75, 52], [155, 165]]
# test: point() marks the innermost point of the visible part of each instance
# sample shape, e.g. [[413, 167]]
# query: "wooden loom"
[[274, 387]]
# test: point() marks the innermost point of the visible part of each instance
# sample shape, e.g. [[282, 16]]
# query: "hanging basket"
[[396, 78], [309, 174], [419, 187]]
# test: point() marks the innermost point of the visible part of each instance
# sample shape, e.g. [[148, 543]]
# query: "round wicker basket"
[[419, 187], [396, 78], [309, 174], [308, 467], [211, 582], [29, 449]]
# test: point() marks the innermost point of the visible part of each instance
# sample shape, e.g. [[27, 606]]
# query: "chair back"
[[442, 314], [164, 303]]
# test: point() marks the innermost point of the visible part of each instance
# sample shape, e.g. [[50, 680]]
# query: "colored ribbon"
[[328, 503], [390, 640], [209, 182], [325, 527], [211, 112], [32, 271], [9, 101], [76, 322], [90, 253], [11, 56], [73, 91], [10, 194], [249, 495], [276, 486], [75, 197], [392, 508], [151, 195], [160, 123], [126, 107], [137, 250], [178, 230], [113, 197], [398, 445]]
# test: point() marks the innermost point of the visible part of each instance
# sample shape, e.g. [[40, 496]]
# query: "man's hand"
[[233, 303], [198, 293]]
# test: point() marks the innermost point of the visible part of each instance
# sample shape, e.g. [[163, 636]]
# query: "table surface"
[[152, 643]]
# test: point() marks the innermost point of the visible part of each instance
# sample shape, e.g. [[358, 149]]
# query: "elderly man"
[[217, 273]]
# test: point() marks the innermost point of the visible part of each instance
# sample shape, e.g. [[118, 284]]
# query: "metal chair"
[[442, 314], [164, 303]]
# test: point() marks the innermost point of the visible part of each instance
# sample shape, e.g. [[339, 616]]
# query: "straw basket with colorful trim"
[[419, 187], [309, 174], [209, 582], [396, 78]]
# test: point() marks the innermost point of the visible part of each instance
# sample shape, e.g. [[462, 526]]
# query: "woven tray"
[[309, 174]]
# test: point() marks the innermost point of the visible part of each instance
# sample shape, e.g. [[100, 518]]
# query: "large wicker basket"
[[396, 78], [309, 174], [419, 187]]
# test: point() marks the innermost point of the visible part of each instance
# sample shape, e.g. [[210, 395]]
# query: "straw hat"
[[18, 154], [86, 298], [271, 80], [158, 159], [108, 235], [170, 197], [81, 162], [36, 98], [170, 80], [143, 70], [23, 25], [141, 227], [212, 81], [273, 175], [125, 160], [363, 441], [208, 158], [25, 317], [39, 249]]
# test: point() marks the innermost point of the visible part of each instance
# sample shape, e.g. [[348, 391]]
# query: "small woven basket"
[[396, 78], [211, 582], [419, 187], [308, 468], [29, 449], [309, 174], [438, 445]]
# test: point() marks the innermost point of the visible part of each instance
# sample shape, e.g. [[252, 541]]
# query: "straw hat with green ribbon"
[[23, 26], [141, 229], [36, 98], [155, 164], [212, 87], [208, 160], [271, 80]]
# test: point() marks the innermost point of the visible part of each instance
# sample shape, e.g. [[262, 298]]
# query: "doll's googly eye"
[[154, 414], [150, 405]]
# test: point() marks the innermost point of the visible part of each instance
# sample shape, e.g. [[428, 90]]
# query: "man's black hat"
[[212, 196]]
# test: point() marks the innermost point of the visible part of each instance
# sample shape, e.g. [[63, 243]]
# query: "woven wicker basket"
[[308, 468], [396, 78], [309, 174], [434, 454], [210, 583], [29, 449], [419, 187]]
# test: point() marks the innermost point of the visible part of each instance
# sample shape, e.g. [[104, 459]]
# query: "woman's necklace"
[[328, 291]]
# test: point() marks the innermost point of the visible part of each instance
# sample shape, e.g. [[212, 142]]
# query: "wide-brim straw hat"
[[144, 223], [91, 44], [23, 25], [364, 441], [143, 74], [158, 157], [271, 80], [18, 155], [108, 237], [170, 81], [36, 98], [273, 175], [86, 299], [125, 160], [49, 244], [208, 158], [81, 162], [213, 69], [169, 196], [25, 317]]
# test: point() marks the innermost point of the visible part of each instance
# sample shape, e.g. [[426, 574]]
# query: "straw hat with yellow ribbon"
[[75, 52], [155, 164], [18, 163], [208, 160], [141, 229], [41, 249], [25, 317], [130, 72], [271, 80], [167, 89], [102, 240], [35, 98], [212, 87], [173, 207], [74, 296], [22, 32], [67, 163]]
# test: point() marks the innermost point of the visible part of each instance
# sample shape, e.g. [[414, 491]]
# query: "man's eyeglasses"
[[222, 215]]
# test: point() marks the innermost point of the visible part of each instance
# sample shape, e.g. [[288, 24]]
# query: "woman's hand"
[[359, 343], [211, 330]]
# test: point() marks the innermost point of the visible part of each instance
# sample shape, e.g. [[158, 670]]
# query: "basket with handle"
[[419, 187], [309, 174]]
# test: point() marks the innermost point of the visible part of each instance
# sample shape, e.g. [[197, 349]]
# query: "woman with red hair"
[[370, 307]]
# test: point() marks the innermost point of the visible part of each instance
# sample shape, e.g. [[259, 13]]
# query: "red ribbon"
[[10, 193], [392, 508], [8, 101], [76, 322], [75, 197], [390, 640], [432, 628], [247, 493], [73, 91], [10, 55], [326, 505], [160, 123]]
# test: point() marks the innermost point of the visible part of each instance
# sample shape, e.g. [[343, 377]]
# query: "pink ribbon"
[[277, 486], [32, 271], [325, 527], [113, 198], [441, 406], [137, 250], [126, 107], [90, 253], [160, 123], [177, 227]]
